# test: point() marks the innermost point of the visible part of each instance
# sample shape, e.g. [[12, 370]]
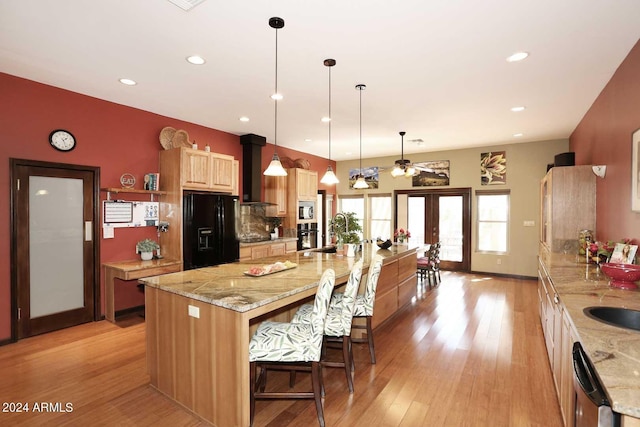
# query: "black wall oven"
[[307, 236]]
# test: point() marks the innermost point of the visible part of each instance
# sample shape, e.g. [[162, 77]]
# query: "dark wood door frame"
[[13, 164], [465, 192]]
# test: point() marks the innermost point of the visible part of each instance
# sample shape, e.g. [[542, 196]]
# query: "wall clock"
[[62, 140]]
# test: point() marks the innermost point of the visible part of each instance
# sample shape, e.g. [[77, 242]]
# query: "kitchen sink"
[[325, 249], [615, 316]]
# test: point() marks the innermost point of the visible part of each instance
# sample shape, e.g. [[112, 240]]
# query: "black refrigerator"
[[209, 231]]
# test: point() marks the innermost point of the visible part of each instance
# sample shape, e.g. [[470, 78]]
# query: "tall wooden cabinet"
[[568, 205], [187, 169]]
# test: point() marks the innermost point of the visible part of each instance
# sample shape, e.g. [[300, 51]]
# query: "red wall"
[[603, 137], [113, 137]]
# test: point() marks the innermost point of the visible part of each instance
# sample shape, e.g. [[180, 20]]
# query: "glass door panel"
[[56, 239], [450, 228]]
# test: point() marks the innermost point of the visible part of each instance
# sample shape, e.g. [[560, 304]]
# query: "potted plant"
[[343, 222], [146, 247]]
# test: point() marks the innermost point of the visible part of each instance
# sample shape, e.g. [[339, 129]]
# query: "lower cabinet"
[[263, 250], [559, 337]]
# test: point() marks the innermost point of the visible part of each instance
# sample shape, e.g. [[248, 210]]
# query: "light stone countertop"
[[227, 286], [614, 351]]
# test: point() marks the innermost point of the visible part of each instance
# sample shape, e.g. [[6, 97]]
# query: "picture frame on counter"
[[635, 171]]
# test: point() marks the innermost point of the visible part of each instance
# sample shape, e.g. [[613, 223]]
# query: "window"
[[380, 218], [355, 205], [493, 221]]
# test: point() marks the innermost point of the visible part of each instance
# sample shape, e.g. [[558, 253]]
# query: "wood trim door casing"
[[465, 192], [13, 164]]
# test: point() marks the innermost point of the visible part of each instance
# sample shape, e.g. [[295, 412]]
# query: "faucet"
[[346, 222]]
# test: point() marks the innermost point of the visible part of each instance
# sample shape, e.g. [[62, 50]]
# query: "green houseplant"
[[340, 227], [146, 247]]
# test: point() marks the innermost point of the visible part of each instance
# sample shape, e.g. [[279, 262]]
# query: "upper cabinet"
[[568, 205], [275, 191], [202, 170], [304, 184]]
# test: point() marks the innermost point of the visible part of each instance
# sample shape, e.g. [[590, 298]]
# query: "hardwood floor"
[[468, 353]]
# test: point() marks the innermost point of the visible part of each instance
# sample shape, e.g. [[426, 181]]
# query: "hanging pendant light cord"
[[361, 87], [330, 118], [275, 99]]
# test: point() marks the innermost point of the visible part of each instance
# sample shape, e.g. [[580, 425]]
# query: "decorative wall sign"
[[493, 168], [127, 180], [370, 176], [431, 173], [635, 172]]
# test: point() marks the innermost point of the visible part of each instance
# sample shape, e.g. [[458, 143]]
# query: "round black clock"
[[62, 140]]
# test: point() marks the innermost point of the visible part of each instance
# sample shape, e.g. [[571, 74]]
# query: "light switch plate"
[[194, 311], [529, 223]]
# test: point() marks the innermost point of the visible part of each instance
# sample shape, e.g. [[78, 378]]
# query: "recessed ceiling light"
[[348, 153], [128, 82], [276, 96], [195, 60], [244, 119], [518, 56], [308, 140], [517, 135], [517, 109], [326, 119]]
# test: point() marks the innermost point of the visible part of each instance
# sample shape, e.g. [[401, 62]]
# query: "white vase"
[[351, 250], [146, 256]]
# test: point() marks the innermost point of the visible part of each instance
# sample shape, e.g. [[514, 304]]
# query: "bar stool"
[[338, 324], [364, 305], [290, 345]]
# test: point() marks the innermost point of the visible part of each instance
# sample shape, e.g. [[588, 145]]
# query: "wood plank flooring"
[[468, 353]]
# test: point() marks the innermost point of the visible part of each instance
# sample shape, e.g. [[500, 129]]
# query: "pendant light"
[[360, 182], [329, 177], [403, 166], [275, 167]]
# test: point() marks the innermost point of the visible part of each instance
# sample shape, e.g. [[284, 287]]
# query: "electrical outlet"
[[499, 261], [529, 223], [194, 311]]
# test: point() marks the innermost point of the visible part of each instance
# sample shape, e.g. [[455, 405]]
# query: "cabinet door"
[[221, 172], [276, 249], [195, 171], [235, 186], [566, 382], [275, 191], [302, 184], [312, 185], [261, 251]]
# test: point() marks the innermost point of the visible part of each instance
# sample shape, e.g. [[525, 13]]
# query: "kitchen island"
[[614, 351], [199, 322]]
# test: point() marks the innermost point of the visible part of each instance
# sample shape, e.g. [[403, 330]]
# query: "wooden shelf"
[[110, 190]]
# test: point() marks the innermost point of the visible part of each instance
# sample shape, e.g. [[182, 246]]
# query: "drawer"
[[407, 290], [385, 305]]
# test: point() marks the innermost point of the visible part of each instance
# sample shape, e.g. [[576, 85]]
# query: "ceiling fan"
[[403, 166]]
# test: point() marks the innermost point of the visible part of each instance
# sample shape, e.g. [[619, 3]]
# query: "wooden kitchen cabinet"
[[187, 169], [303, 184], [261, 250], [569, 336], [201, 170], [275, 191], [559, 338], [568, 205]]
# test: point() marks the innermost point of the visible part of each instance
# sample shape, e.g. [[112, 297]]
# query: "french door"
[[440, 216], [54, 279]]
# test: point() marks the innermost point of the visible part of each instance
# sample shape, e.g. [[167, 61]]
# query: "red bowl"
[[622, 275]]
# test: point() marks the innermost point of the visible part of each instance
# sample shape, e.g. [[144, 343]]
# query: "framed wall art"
[[493, 168], [635, 172], [431, 173], [370, 176]]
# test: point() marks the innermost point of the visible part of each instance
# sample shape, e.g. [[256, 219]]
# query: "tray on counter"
[[264, 270]]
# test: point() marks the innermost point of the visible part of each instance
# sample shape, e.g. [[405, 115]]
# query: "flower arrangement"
[[401, 235], [601, 251]]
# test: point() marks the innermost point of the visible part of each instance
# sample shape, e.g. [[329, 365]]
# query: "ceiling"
[[435, 69]]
